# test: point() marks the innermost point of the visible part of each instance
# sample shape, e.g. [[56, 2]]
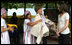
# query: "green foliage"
[[30, 5], [12, 5]]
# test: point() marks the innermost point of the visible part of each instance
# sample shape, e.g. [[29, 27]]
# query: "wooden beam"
[[46, 5], [24, 7]]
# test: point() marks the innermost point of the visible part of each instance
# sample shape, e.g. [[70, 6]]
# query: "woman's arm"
[[6, 29], [3, 29], [31, 24], [66, 25], [57, 29], [57, 26]]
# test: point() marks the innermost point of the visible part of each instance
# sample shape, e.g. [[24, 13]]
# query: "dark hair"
[[14, 14], [63, 7], [45, 12], [37, 7], [26, 16]]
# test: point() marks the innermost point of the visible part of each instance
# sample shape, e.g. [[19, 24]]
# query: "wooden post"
[[46, 5], [55, 4], [24, 7]]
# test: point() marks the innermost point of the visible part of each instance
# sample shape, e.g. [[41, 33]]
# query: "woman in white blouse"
[[62, 26], [4, 30]]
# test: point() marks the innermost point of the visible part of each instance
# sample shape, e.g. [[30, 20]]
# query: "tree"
[[12, 5]]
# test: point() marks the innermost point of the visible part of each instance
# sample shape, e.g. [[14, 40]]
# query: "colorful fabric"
[[3, 10], [27, 12]]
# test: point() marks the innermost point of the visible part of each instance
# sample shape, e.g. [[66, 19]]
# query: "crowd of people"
[[62, 26]]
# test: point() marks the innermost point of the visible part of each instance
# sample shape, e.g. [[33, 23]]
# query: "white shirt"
[[28, 38], [26, 27], [61, 21], [4, 35]]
